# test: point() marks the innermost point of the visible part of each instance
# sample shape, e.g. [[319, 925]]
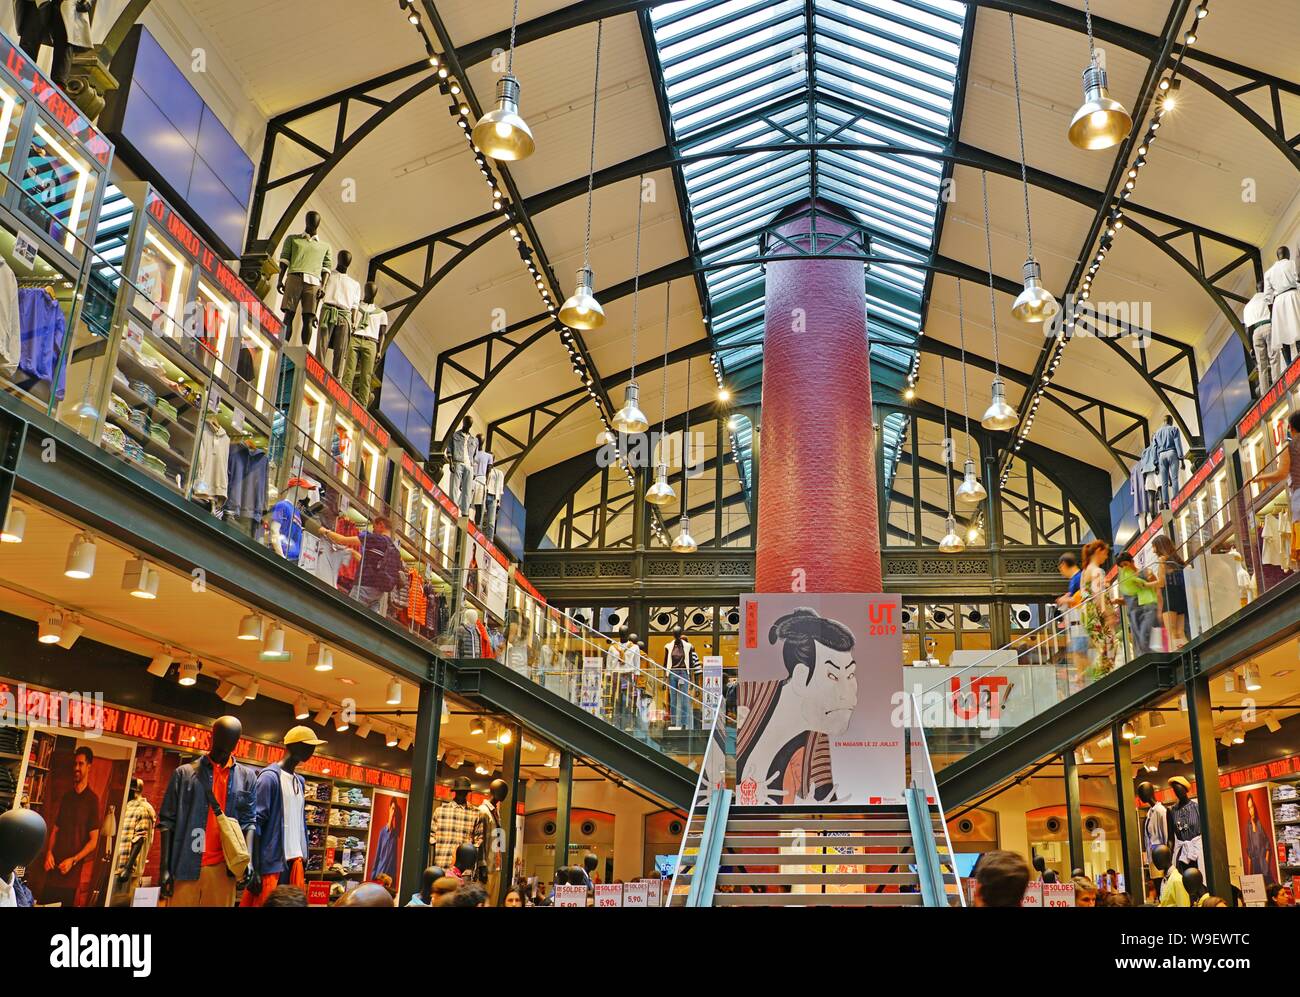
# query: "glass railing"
[[714, 774], [921, 775], [1230, 552]]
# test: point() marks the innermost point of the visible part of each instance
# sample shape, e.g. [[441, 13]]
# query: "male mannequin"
[[286, 517], [1194, 884], [622, 666], [1282, 289], [339, 310], [62, 24], [279, 844], [492, 844], [305, 261], [589, 863], [1168, 444], [1045, 874], [681, 663], [1185, 826], [134, 839], [455, 823], [22, 839], [1155, 826], [482, 466], [363, 348], [466, 862], [496, 486], [1172, 891], [193, 870], [464, 449], [1258, 320], [468, 642]]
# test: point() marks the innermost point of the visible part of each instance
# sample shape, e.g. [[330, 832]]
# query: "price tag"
[[1253, 891], [237, 420], [1058, 895], [146, 896], [318, 893], [654, 892], [609, 894], [570, 896], [1033, 895], [25, 249], [635, 894]]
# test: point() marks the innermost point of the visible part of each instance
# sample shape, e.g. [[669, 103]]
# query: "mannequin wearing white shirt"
[[482, 465], [1258, 320], [339, 312], [680, 661], [1282, 289]]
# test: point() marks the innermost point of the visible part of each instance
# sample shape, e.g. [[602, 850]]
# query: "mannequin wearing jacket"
[[681, 663], [279, 853], [1282, 289], [64, 25]]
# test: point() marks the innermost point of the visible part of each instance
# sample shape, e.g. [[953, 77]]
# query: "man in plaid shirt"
[[454, 824]]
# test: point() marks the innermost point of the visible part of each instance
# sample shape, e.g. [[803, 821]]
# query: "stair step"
[[817, 900], [818, 878], [795, 824], [817, 859], [818, 841]]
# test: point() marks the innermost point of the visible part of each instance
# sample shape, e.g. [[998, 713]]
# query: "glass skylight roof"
[[756, 75]]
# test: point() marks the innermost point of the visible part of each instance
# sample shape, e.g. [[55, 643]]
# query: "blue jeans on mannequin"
[[1168, 476], [679, 699]]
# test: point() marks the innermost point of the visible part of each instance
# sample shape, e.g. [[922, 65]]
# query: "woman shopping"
[[1173, 592], [1098, 614]]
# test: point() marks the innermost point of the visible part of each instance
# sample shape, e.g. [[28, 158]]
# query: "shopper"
[[1000, 879], [381, 564], [515, 897], [1117, 900], [366, 895], [1085, 892], [1076, 639], [1098, 615], [1173, 592], [1210, 900], [1140, 602], [469, 895], [286, 896]]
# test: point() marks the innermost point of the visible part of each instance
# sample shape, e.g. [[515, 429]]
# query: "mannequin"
[[363, 348], [279, 842], [495, 488], [1185, 827], [466, 862], [340, 305], [455, 824], [135, 838], [1172, 891], [1258, 321], [482, 467], [624, 680], [190, 876], [1155, 826], [64, 25], [1282, 290], [1168, 444], [286, 517], [1144, 484], [468, 642], [1194, 884], [589, 863], [22, 839], [492, 843], [681, 663], [305, 261], [464, 450], [1045, 874]]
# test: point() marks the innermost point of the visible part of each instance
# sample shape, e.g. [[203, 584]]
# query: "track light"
[[15, 526], [476, 726], [1128, 732], [189, 671], [363, 731], [250, 627], [323, 715], [1156, 718], [273, 645], [504, 736], [320, 658], [340, 722], [1239, 735], [394, 693], [1251, 675], [72, 629], [1272, 723], [231, 692], [140, 579], [301, 711], [81, 557], [390, 739], [49, 628], [404, 743], [161, 663], [252, 689]]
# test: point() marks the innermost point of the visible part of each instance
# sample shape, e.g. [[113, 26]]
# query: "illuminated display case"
[[1262, 431], [424, 518]]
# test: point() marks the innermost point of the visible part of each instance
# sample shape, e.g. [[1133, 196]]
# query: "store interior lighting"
[[81, 557], [72, 629], [140, 579], [476, 726], [49, 630], [340, 723], [390, 739], [1272, 723], [1250, 675], [189, 671], [320, 658], [231, 692], [161, 663], [394, 693], [250, 627], [323, 715], [273, 645], [252, 689], [15, 526], [404, 742], [301, 711], [364, 728]]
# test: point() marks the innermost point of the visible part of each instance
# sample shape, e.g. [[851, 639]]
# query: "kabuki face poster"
[[818, 676]]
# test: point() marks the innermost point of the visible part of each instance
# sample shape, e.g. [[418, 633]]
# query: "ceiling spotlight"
[[320, 658], [724, 395], [365, 727], [1239, 735], [273, 642], [476, 726], [1251, 675], [81, 557], [250, 627], [140, 578], [301, 711], [404, 743], [161, 663], [909, 393], [251, 690], [504, 736], [15, 526], [1156, 718], [323, 715], [581, 310], [49, 628], [72, 629], [340, 722], [189, 671], [230, 692], [481, 769], [390, 739], [394, 693]]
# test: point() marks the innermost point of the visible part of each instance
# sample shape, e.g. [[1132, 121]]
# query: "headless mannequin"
[[1171, 889], [1156, 828], [1185, 828], [1169, 458], [492, 844], [65, 31], [365, 347], [309, 300], [464, 448], [295, 754], [1045, 874], [226, 732], [22, 839], [340, 299], [297, 497], [127, 887], [1280, 281], [681, 669], [446, 849], [1258, 320]]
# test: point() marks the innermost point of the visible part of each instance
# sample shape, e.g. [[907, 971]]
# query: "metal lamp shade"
[[1102, 121], [581, 310], [661, 492], [630, 418], [684, 542], [502, 133], [970, 492], [1035, 303], [999, 416], [952, 543]]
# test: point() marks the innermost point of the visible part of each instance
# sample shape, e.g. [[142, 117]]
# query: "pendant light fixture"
[[971, 491], [630, 419], [684, 543], [999, 416], [581, 310], [1101, 121], [951, 543], [661, 492], [502, 133], [1035, 303]]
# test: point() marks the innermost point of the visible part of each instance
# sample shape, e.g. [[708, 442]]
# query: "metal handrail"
[[938, 800], [701, 792]]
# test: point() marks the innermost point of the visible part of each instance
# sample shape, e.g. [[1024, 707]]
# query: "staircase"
[[804, 857]]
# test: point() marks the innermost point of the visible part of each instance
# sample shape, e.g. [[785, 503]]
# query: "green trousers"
[[358, 374]]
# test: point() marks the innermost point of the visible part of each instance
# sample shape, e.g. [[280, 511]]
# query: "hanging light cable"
[[1035, 303], [502, 133], [1101, 121], [951, 543], [661, 492], [971, 491], [684, 543], [630, 418], [999, 416], [581, 310]]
